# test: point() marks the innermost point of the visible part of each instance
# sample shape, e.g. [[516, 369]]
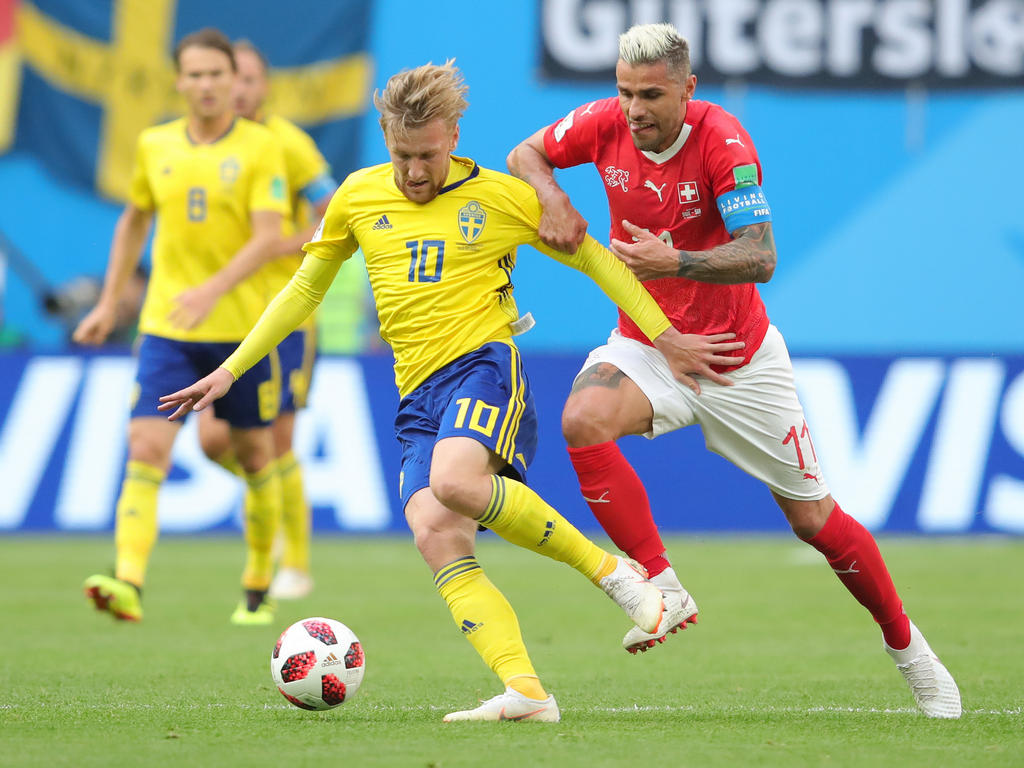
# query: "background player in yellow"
[[439, 234], [311, 187], [216, 186]]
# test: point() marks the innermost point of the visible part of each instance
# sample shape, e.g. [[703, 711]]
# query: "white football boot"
[[680, 610], [642, 601], [933, 687], [511, 705], [291, 584]]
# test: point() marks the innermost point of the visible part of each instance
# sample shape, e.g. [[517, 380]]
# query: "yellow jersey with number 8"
[[203, 196]]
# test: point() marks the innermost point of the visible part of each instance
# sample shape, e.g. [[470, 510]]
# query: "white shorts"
[[758, 423]]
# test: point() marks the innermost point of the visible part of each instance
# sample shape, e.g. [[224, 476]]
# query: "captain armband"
[[744, 206]]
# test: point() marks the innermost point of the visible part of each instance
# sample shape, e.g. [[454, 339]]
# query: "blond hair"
[[415, 97], [652, 43]]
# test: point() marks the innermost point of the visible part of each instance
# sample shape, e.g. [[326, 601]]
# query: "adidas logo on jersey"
[[383, 223]]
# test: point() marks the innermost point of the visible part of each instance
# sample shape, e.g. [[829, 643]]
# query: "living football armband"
[[319, 188], [744, 206]]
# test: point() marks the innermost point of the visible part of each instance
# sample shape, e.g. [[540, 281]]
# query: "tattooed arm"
[[749, 258]]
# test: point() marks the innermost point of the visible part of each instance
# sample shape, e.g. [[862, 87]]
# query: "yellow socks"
[[262, 511], [230, 462], [135, 528], [489, 623], [520, 516], [295, 514]]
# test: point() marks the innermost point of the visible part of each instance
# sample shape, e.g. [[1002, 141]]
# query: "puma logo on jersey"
[[735, 141], [650, 185], [589, 109]]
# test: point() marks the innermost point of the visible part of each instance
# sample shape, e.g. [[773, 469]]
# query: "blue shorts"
[[167, 365], [297, 353], [484, 395]]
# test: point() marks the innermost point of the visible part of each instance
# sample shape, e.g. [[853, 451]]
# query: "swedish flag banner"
[[95, 74]]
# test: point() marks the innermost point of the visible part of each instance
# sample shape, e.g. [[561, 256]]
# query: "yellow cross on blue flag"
[[95, 74]]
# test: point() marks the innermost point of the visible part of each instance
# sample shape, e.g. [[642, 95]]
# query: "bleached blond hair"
[[651, 43], [415, 97]]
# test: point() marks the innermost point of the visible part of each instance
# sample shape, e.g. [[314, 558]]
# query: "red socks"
[[853, 554], [619, 501]]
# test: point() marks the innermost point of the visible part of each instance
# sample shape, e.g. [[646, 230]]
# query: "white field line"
[[634, 710]]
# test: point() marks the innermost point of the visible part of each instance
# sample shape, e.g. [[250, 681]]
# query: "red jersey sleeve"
[[576, 138], [729, 155]]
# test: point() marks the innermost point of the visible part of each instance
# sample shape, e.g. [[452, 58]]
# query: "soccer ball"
[[317, 663]]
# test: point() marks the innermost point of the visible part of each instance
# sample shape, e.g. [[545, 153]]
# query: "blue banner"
[[908, 444], [96, 74]]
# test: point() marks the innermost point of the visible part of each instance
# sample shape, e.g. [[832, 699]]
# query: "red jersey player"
[[690, 219]]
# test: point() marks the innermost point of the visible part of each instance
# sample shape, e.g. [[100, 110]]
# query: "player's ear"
[[455, 139], [691, 86]]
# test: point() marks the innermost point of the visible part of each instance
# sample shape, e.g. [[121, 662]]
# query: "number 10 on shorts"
[[481, 412]]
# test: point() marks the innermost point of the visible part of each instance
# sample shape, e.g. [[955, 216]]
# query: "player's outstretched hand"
[[690, 353], [561, 226], [648, 257], [199, 395], [95, 327]]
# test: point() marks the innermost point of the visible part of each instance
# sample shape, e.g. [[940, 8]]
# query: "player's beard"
[[424, 193], [651, 139]]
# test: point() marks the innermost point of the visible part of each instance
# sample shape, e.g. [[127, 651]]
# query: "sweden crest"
[[472, 218], [229, 170]]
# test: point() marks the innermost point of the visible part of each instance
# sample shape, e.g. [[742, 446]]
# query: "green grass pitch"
[[784, 668]]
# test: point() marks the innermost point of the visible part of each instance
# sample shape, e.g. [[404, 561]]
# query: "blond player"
[[439, 234]]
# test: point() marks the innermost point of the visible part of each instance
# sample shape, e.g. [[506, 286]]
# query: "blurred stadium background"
[[889, 132]]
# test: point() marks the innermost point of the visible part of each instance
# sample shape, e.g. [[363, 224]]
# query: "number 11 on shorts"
[[794, 437]]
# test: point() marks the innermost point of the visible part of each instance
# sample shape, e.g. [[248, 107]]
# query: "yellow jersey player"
[[439, 234], [311, 187], [215, 184]]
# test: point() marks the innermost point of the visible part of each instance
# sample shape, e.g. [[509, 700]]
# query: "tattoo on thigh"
[[600, 375]]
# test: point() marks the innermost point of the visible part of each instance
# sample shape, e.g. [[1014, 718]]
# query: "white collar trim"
[[672, 151]]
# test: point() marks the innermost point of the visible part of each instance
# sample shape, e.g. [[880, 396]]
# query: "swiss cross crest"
[[616, 177], [688, 192]]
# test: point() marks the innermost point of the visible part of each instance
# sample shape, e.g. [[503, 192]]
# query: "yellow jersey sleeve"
[[309, 175], [285, 313], [308, 170], [139, 194], [333, 239], [269, 190], [595, 261]]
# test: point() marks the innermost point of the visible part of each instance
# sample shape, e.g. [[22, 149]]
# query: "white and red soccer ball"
[[317, 663]]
